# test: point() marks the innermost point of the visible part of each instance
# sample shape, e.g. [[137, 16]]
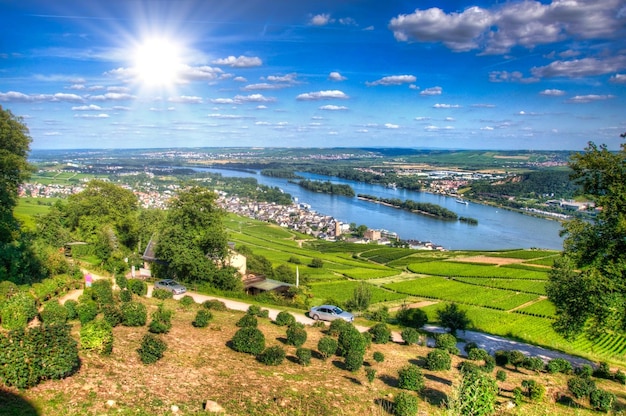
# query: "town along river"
[[497, 228]]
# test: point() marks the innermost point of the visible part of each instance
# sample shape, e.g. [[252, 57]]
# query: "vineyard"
[[458, 269]]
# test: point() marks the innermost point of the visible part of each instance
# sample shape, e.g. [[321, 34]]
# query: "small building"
[[253, 285]]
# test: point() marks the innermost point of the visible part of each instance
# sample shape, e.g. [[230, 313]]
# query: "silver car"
[[330, 313], [171, 285]]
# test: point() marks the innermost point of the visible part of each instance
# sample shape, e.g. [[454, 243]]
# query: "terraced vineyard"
[[458, 269]]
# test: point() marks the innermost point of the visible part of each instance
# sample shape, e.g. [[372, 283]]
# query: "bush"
[[350, 339], [584, 371], [152, 348], [559, 365], [516, 358], [534, 390], [102, 292], [603, 371], [249, 340], [602, 400], [71, 305], [336, 327], [161, 322], [470, 346], [381, 334], [134, 314], [202, 319], [284, 318], [410, 378], [162, 294], [490, 364], [405, 404], [446, 342], [468, 367], [476, 395], [327, 346], [378, 356], [304, 356], [121, 281], [87, 311], [273, 355], [126, 295], [620, 377], [112, 314], [296, 335], [370, 374], [533, 363], [477, 354], [214, 304], [438, 360], [97, 336], [354, 359], [501, 375], [379, 315], [247, 321], [16, 312], [254, 310], [138, 287], [186, 301], [412, 317], [410, 336], [53, 313], [502, 357], [581, 386]]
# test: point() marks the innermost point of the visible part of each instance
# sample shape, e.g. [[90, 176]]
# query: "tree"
[[361, 297], [192, 242], [453, 318], [588, 284]]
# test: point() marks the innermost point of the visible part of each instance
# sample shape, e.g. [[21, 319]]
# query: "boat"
[[461, 201]]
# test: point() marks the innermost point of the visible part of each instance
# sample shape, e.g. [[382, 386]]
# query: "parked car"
[[171, 285], [330, 313]]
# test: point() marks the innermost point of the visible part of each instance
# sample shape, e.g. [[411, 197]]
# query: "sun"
[[157, 62]]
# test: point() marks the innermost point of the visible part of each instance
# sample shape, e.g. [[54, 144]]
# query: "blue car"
[[330, 313]]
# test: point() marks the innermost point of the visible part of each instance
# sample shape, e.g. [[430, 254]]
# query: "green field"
[[520, 285], [459, 269], [341, 291]]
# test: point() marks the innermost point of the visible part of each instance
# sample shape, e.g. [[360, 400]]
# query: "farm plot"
[[543, 307], [341, 291], [525, 254], [520, 285], [456, 269], [454, 291], [386, 255]]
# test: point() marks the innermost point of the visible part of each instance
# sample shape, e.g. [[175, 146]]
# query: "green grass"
[[454, 291], [522, 285], [525, 254], [543, 307], [342, 291], [28, 208], [458, 269]]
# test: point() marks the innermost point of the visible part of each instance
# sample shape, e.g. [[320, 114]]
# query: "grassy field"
[[198, 366]]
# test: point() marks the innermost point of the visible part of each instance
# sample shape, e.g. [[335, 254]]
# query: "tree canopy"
[[588, 284]]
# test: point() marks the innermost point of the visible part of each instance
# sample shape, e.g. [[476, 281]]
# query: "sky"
[[462, 74]]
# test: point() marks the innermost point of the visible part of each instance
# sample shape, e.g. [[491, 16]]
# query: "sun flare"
[[158, 62]]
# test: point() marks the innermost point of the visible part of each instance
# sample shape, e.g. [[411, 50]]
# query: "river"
[[497, 228]]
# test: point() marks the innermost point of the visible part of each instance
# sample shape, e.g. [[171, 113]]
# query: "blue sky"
[[438, 74]]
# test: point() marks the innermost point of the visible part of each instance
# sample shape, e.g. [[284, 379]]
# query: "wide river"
[[497, 228]]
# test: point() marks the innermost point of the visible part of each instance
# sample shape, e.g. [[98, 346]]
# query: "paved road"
[[491, 343]]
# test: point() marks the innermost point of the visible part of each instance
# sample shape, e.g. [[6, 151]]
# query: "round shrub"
[[138, 287], [214, 304], [304, 356], [410, 336], [370, 373], [378, 356], [470, 346], [71, 305], [533, 363], [284, 318], [296, 335], [97, 336], [438, 360], [53, 312], [102, 292], [412, 317], [501, 375], [584, 371], [468, 367], [134, 314], [602, 400], [350, 339], [152, 349], [112, 314], [16, 312], [581, 386], [336, 327], [126, 295], [477, 354], [354, 359], [405, 404], [559, 365], [410, 378], [247, 321], [273, 355], [502, 357], [121, 281], [516, 358], [620, 377], [327, 346], [446, 342], [87, 310], [476, 395], [7, 289], [381, 334], [534, 390], [603, 371], [249, 340], [254, 310], [161, 322], [186, 301], [490, 364], [202, 319], [162, 294]]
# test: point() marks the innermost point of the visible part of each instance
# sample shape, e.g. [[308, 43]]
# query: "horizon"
[[473, 75]]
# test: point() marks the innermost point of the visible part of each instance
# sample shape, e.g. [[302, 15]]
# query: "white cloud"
[[578, 68], [437, 128], [322, 95], [200, 73], [391, 126], [422, 118], [582, 99], [224, 116], [393, 80], [450, 119], [223, 101], [487, 128], [320, 20], [336, 76], [101, 115], [239, 62], [552, 93], [618, 79], [446, 106], [506, 76], [333, 107], [15, 96], [112, 96], [289, 78], [253, 98], [90, 107], [186, 99], [432, 91], [240, 79]]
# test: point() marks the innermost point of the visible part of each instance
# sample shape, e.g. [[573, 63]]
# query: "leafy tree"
[[361, 297], [453, 318], [192, 242], [588, 285], [475, 396]]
